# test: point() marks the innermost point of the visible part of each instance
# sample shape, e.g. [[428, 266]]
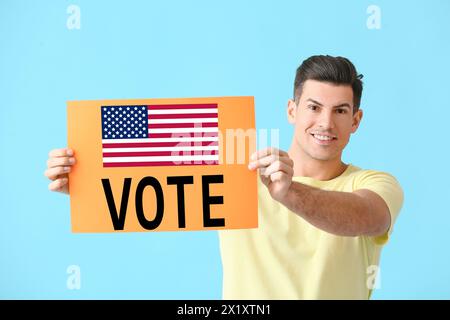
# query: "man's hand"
[[275, 169], [58, 167]]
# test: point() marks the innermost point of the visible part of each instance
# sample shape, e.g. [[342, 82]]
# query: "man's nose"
[[326, 120]]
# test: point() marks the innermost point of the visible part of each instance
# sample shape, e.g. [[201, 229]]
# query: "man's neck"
[[305, 166]]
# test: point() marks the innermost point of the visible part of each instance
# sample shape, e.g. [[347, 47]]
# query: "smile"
[[323, 139]]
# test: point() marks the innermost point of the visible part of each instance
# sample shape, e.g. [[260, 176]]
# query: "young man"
[[322, 223]]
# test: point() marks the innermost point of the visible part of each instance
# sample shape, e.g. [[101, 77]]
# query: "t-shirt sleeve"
[[388, 188]]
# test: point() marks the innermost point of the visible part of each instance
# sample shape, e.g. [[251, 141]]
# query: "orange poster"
[[162, 164]]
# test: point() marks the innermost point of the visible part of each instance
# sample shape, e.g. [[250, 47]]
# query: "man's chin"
[[323, 156]]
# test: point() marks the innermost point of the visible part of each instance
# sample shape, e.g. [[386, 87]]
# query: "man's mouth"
[[323, 138]]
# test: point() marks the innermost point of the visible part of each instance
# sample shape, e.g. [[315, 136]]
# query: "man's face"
[[323, 119]]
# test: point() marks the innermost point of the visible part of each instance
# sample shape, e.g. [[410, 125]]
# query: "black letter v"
[[118, 220]]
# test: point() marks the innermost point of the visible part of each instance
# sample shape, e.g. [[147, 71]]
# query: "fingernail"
[[66, 169], [71, 160], [69, 152], [250, 166]]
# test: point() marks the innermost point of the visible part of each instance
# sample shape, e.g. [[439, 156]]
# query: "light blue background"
[[144, 49]]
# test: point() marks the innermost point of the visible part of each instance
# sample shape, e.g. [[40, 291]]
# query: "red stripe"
[[183, 134], [161, 153], [182, 115], [182, 106], [160, 144], [159, 163], [183, 125]]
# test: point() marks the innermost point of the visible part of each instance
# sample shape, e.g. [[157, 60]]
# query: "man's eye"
[[341, 111], [313, 108]]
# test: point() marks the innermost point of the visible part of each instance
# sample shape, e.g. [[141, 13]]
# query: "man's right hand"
[[58, 167]]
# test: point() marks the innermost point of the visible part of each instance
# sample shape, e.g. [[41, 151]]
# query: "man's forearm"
[[339, 213]]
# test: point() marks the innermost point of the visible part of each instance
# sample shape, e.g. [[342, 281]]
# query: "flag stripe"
[[161, 137], [183, 125], [151, 144], [182, 111], [182, 115], [162, 158], [160, 149], [181, 106], [198, 121], [185, 135], [158, 163], [179, 130], [160, 153]]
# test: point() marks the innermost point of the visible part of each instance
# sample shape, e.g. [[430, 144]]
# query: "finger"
[[55, 172], [265, 180], [267, 161], [268, 151], [277, 166], [58, 184], [61, 161], [64, 152], [278, 176]]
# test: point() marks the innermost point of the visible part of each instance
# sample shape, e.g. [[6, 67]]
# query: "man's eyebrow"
[[343, 105], [314, 101]]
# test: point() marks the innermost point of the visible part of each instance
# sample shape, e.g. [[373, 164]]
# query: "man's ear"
[[357, 117], [291, 111]]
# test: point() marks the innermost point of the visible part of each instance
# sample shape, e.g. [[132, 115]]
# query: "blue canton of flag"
[[124, 122]]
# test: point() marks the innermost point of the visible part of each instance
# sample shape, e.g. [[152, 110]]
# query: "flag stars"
[[120, 122]]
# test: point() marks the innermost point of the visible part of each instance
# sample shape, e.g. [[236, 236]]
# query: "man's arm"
[[357, 213], [361, 212]]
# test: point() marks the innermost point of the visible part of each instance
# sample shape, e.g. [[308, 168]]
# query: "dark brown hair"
[[336, 70]]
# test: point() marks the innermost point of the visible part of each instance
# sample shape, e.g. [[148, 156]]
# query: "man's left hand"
[[275, 169]]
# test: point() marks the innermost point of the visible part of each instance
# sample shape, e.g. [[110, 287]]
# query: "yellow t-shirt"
[[288, 258]]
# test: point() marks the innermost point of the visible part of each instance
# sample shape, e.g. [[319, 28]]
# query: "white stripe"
[[175, 138], [184, 120], [176, 111], [181, 148], [162, 158], [165, 130]]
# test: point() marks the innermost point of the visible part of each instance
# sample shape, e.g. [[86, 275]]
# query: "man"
[[322, 223]]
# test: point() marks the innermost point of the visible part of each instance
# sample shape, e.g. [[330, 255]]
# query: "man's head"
[[325, 107]]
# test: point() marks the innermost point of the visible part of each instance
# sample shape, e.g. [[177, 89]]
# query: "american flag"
[[160, 135]]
